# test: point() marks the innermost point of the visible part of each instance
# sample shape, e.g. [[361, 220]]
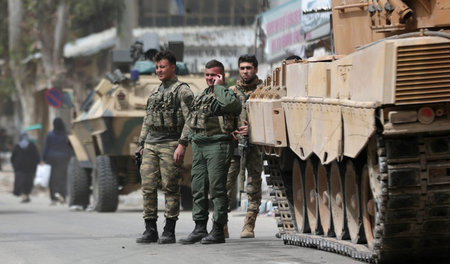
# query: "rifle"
[[242, 148], [138, 160]]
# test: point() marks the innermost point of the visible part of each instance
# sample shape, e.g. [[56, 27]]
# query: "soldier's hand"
[[243, 130], [218, 79], [234, 134], [140, 149], [178, 155]]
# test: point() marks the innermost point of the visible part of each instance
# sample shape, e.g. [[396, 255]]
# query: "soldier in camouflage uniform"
[[162, 142], [248, 67], [213, 118]]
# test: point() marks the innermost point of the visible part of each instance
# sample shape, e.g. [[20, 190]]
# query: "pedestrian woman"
[[57, 153], [24, 159]]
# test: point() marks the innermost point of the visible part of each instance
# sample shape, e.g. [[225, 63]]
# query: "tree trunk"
[[24, 93], [51, 34]]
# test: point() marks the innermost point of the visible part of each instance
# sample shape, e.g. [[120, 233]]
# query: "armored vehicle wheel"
[[106, 193], [323, 199], [78, 184], [311, 197], [298, 188], [337, 201], [352, 203], [368, 206]]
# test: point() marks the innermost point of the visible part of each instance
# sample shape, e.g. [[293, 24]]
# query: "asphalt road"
[[39, 233]]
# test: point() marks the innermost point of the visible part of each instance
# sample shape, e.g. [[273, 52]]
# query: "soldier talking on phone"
[[211, 121]]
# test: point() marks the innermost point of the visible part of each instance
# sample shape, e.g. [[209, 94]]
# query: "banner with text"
[[285, 27]]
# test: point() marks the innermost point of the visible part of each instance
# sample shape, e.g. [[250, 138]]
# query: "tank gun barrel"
[[316, 10], [403, 10]]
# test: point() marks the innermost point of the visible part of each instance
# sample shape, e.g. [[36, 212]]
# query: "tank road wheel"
[[368, 206], [298, 189], [106, 193], [78, 184], [311, 198], [337, 201], [352, 203], [323, 196]]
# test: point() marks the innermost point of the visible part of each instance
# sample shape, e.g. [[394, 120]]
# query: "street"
[[39, 233]]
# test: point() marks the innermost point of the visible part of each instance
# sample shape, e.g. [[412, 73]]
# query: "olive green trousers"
[[209, 175]]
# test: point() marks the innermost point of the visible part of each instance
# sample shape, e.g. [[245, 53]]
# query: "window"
[[191, 6], [192, 21], [162, 6], [208, 21], [223, 20], [162, 21], [177, 21], [199, 12]]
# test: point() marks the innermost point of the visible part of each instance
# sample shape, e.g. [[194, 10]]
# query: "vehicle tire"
[[78, 184], [106, 193]]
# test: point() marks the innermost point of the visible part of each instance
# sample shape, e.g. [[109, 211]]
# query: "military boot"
[[215, 236], [150, 234], [249, 225], [168, 235], [198, 233]]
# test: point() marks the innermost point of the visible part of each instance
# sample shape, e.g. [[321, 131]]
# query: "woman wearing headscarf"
[[57, 153], [24, 159]]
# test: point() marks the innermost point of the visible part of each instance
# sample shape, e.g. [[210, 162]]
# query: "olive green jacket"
[[226, 102]]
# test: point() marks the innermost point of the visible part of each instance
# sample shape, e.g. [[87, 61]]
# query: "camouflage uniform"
[[213, 118], [162, 130], [254, 160]]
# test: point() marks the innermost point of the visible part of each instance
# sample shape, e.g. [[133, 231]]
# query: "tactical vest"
[[243, 97], [202, 119], [164, 112]]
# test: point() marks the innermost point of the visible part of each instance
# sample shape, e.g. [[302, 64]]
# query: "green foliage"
[[87, 16], [230, 81]]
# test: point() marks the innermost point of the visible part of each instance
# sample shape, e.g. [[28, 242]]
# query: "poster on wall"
[[286, 29]]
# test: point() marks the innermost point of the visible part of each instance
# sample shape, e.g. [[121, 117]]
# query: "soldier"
[[162, 144], [213, 118], [248, 67]]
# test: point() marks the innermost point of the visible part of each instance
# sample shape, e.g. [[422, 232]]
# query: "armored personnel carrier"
[[104, 138], [357, 144]]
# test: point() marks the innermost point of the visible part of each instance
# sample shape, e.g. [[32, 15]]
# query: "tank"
[[104, 138], [357, 144]]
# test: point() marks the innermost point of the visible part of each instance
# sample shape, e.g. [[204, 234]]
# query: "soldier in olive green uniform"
[[163, 139], [248, 67], [213, 118]]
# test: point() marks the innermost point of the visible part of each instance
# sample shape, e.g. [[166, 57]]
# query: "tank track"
[[413, 215]]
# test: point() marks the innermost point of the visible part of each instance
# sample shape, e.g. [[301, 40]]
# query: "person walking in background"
[[162, 143], [248, 68], [24, 159], [57, 153], [211, 121]]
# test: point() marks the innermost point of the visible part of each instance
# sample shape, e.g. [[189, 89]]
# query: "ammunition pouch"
[[164, 113], [202, 120]]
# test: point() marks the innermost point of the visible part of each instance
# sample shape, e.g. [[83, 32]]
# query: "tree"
[[41, 27], [17, 47]]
